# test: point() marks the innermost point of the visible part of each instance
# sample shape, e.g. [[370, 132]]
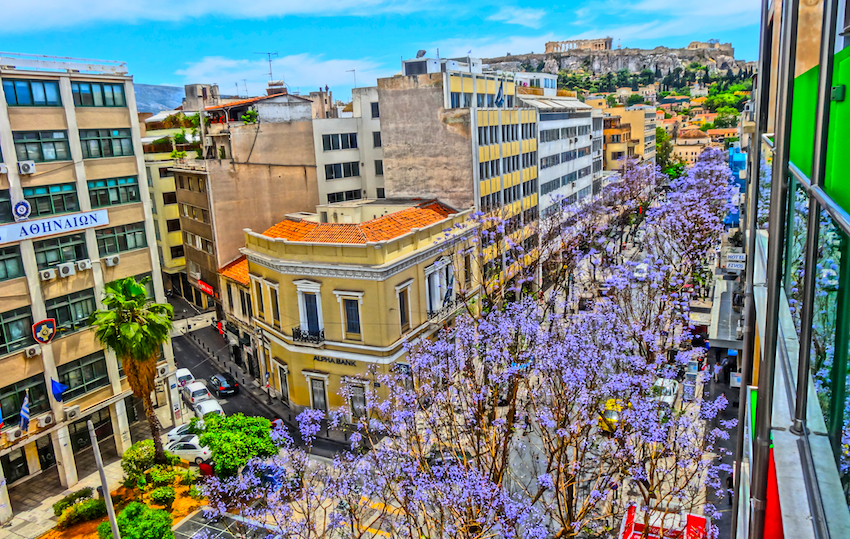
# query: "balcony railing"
[[307, 336], [448, 308]]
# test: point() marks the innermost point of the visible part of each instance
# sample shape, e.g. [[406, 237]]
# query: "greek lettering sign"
[[206, 288], [38, 228], [338, 361]]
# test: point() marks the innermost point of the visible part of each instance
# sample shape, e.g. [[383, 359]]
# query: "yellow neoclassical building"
[[335, 302]]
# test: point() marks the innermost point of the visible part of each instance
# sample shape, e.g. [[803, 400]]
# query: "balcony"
[[529, 90], [308, 337], [447, 310]]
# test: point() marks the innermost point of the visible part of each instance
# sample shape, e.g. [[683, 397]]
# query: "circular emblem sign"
[[21, 210]]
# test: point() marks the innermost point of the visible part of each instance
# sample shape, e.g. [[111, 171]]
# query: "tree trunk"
[[156, 429]]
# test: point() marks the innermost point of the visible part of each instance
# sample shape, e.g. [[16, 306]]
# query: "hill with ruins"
[[598, 57]]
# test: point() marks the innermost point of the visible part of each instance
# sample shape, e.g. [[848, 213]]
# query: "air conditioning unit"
[[84, 264], [72, 412], [67, 269], [15, 434], [48, 274], [162, 370], [3, 169], [112, 260], [46, 420], [26, 167], [208, 141], [33, 351]]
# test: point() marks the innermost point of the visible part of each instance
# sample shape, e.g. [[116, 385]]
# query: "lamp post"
[[107, 498]]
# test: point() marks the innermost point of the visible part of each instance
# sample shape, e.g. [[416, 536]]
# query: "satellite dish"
[[420, 54]]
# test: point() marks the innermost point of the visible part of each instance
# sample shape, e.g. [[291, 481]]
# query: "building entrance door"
[[318, 389]]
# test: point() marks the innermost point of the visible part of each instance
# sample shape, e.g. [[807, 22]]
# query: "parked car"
[[665, 391], [184, 377], [194, 393], [178, 432], [209, 406], [189, 448], [223, 384], [641, 272], [610, 418]]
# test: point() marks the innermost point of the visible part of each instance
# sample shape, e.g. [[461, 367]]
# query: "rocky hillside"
[[611, 61], [153, 98]]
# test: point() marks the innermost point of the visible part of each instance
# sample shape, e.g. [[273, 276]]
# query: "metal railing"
[[448, 308], [307, 336]]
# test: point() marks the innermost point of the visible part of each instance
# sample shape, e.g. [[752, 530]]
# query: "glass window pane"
[[9, 90], [98, 95], [38, 97], [85, 94], [51, 91], [22, 91]]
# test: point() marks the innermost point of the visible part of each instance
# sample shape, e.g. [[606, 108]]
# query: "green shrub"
[[138, 521], [81, 512], [162, 476], [71, 499], [141, 483], [163, 496], [138, 459], [189, 477], [195, 493]]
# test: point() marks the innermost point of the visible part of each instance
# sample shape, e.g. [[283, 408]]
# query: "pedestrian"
[[729, 486], [718, 368]]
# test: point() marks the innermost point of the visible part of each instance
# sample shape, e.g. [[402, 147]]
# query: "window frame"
[[73, 303], [38, 400], [376, 139], [13, 84], [86, 383], [122, 189], [116, 233], [41, 141], [379, 167], [8, 254], [107, 142], [100, 86], [8, 345], [76, 241], [376, 110]]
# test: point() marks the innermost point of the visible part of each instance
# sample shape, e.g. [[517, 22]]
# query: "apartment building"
[[260, 165], [618, 142], [238, 315], [162, 134], [75, 214], [570, 150], [349, 154], [689, 144], [334, 304], [641, 118]]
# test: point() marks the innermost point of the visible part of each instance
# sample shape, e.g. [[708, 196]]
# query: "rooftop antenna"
[[269, 54], [354, 71], [245, 84], [237, 89]]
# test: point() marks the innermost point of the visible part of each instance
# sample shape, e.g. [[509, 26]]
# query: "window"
[[336, 197], [118, 239], [15, 330], [12, 398], [199, 243], [113, 191], [403, 310], [245, 300], [342, 170], [379, 167], [180, 184], [342, 141], [376, 139], [317, 385], [43, 93], [230, 296], [52, 199], [376, 112], [177, 251], [455, 100], [96, 94], [173, 225], [83, 375], [106, 143], [381, 193], [480, 100], [275, 306], [11, 265], [261, 309], [49, 253], [169, 198], [193, 212], [42, 146], [467, 269], [358, 402], [165, 172], [352, 315], [6, 206], [71, 312]]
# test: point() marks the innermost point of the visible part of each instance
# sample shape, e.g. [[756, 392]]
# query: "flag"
[[25, 412], [58, 389], [469, 52], [2, 422], [500, 96]]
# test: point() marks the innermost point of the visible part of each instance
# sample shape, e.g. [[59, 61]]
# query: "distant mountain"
[[152, 98]]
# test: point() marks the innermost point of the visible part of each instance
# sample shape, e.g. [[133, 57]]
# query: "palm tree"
[[135, 328]]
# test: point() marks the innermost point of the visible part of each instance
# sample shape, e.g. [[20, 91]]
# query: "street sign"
[[737, 257], [736, 266]]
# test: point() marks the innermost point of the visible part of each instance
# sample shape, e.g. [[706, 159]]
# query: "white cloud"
[[518, 15], [69, 13], [302, 72], [494, 47]]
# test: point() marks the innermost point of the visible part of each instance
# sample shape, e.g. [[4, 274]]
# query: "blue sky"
[[215, 41]]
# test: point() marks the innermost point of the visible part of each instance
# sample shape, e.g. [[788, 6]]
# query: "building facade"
[[71, 149], [349, 155], [334, 304]]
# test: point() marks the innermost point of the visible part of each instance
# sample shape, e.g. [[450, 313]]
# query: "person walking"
[[729, 485]]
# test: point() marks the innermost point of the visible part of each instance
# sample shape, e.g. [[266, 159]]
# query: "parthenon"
[[603, 44]]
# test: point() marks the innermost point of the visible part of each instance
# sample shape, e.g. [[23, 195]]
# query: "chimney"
[[276, 87]]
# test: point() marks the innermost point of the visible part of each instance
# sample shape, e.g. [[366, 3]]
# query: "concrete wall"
[[292, 109], [427, 149]]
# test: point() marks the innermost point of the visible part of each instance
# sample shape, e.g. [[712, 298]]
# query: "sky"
[[319, 42]]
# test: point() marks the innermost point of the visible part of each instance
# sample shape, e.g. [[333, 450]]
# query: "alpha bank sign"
[[38, 228]]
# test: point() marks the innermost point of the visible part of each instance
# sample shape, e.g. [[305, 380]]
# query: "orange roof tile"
[[383, 228], [237, 270]]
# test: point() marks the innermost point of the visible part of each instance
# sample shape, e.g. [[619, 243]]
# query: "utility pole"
[[269, 55], [107, 497]]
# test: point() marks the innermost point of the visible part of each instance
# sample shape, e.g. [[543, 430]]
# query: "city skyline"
[[219, 43]]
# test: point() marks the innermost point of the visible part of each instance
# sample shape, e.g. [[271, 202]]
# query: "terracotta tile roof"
[[383, 228], [237, 270], [693, 133]]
